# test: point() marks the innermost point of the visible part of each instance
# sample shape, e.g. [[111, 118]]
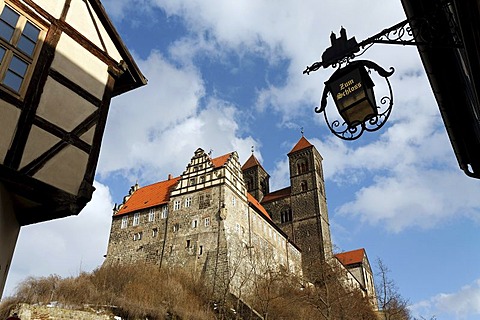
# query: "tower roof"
[[251, 162], [301, 144]]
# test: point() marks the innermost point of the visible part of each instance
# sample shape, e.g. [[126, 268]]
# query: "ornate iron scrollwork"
[[346, 132]]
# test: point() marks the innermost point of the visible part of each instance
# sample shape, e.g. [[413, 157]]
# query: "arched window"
[[263, 184], [304, 185], [249, 184], [302, 166], [286, 215]]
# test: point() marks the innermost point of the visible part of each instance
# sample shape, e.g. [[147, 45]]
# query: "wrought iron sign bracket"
[[342, 50]]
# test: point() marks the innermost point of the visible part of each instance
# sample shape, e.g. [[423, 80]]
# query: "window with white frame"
[[151, 215], [136, 219], [194, 223], [176, 205], [188, 202], [20, 40], [137, 236], [207, 221], [164, 212], [154, 232], [124, 222], [176, 226]]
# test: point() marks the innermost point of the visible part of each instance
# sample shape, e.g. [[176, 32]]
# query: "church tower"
[[256, 178], [309, 215]]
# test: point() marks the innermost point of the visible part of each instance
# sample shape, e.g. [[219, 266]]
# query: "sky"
[[227, 75]]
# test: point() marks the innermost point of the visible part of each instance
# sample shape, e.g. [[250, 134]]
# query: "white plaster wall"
[[79, 65], [9, 229], [38, 142], [54, 7], [66, 170], [63, 107], [80, 19], [8, 123]]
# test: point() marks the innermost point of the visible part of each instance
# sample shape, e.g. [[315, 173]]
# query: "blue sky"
[[227, 75]]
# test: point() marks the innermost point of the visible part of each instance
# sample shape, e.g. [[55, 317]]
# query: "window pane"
[[31, 32], [9, 16], [26, 45], [13, 81], [8, 21], [15, 73], [18, 66], [2, 53], [6, 31]]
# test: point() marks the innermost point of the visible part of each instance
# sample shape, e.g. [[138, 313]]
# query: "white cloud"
[[65, 246], [464, 304], [168, 116]]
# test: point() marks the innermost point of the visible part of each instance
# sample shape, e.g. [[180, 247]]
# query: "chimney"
[[170, 176]]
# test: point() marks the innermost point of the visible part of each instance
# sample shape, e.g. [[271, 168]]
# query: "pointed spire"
[[303, 143]]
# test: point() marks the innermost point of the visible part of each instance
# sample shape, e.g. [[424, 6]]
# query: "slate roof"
[[351, 257]]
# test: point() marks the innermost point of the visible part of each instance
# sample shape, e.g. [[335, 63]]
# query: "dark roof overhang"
[[453, 71]]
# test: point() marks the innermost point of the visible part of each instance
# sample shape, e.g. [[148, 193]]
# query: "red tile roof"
[[251, 162], [276, 195], [220, 161], [257, 205], [301, 144], [351, 257], [149, 196]]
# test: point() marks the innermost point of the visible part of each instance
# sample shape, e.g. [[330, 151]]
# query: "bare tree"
[[391, 304]]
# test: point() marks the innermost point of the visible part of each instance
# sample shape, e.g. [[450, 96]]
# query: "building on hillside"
[[203, 221], [221, 221], [300, 209], [358, 266]]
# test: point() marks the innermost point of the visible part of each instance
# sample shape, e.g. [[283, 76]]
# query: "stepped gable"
[[257, 205], [351, 257], [277, 195], [301, 144], [149, 196]]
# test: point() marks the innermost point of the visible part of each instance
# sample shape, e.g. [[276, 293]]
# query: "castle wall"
[[210, 230]]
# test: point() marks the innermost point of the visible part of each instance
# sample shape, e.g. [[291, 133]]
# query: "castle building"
[[220, 220]]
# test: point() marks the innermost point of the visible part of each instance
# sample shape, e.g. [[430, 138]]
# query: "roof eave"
[[453, 74], [133, 77]]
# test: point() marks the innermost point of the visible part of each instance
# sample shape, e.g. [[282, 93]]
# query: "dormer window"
[[20, 41]]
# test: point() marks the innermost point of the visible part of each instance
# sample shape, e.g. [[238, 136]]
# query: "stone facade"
[[300, 210], [220, 221], [208, 224]]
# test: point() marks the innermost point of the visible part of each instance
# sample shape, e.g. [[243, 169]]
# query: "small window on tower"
[[304, 185]]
